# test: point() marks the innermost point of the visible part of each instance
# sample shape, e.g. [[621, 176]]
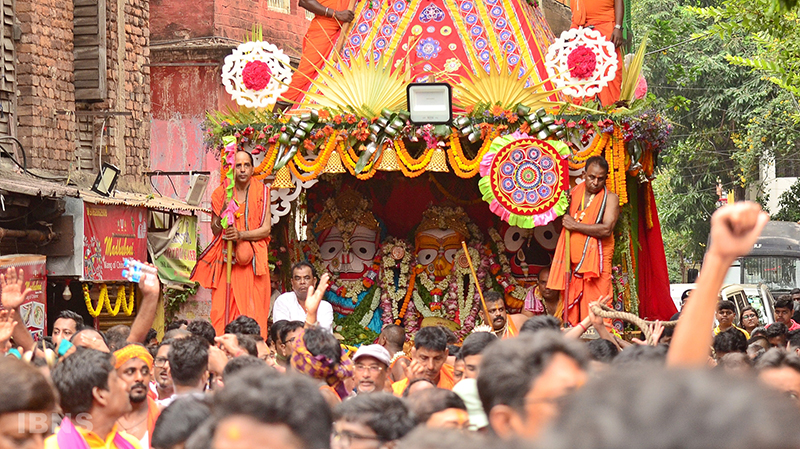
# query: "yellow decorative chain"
[[122, 301]]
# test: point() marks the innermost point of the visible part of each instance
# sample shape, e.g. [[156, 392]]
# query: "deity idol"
[[529, 250], [347, 235]]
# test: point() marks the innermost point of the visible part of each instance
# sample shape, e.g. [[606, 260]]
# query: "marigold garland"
[[619, 159], [349, 159], [611, 180], [264, 169], [122, 302], [412, 278], [412, 164], [578, 160], [313, 168], [462, 165]]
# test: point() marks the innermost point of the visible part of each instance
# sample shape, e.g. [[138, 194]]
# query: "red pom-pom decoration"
[[256, 75], [582, 62]]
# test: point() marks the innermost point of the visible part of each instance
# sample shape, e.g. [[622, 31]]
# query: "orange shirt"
[[446, 381]]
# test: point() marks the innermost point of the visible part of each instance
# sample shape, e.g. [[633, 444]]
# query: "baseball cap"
[[376, 351]]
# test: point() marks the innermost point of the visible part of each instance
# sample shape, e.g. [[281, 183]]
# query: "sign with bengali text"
[[111, 235]]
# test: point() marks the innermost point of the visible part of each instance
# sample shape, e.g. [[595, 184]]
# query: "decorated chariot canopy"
[[518, 141]]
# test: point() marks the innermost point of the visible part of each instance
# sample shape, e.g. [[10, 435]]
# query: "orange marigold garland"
[[313, 168], [411, 167], [412, 278], [349, 159], [611, 180], [619, 160], [264, 169], [578, 160], [463, 166]]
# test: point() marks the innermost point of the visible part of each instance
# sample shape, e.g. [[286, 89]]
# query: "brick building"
[[76, 86]]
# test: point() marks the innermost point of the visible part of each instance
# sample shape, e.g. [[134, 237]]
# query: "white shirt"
[[288, 308]]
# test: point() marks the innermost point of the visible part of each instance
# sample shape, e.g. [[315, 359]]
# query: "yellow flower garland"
[[349, 160], [462, 165], [264, 169], [313, 168], [619, 158], [122, 302], [578, 160], [412, 164]]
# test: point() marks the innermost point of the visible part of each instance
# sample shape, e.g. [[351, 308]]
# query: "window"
[[90, 50], [282, 6], [778, 273], [8, 76]]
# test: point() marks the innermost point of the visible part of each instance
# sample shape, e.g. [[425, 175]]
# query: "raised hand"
[[230, 344], [314, 298], [7, 325], [13, 288], [735, 229]]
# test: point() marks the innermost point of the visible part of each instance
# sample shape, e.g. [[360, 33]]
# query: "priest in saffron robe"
[[593, 212], [605, 16], [250, 286], [318, 43]]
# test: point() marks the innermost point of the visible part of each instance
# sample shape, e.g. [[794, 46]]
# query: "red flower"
[[324, 115], [256, 75], [582, 62]]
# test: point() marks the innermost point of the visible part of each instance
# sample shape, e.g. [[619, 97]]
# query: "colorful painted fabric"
[[321, 367]]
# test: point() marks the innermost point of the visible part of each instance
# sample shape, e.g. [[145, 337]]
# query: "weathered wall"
[[234, 19], [46, 94], [127, 104], [181, 19]]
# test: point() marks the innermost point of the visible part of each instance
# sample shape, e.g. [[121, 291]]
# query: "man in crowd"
[[522, 379], [393, 337], [249, 287], [472, 352], [289, 332], [784, 308], [371, 368], [188, 365], [590, 227], [91, 339], [291, 306], [134, 366], [438, 408], [162, 380], [780, 369], [726, 316], [94, 398], [776, 335], [373, 421], [503, 325], [428, 361], [66, 325], [795, 295], [256, 407], [551, 299], [203, 329]]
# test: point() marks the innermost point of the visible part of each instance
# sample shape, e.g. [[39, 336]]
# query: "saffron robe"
[[601, 15], [318, 45], [446, 381], [250, 284], [590, 258]]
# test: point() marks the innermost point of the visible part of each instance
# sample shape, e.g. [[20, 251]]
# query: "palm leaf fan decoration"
[[363, 88], [504, 86], [630, 75]]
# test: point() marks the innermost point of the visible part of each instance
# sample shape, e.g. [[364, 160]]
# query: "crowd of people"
[[294, 385]]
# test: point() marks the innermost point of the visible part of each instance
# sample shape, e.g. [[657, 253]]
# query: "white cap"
[[376, 351]]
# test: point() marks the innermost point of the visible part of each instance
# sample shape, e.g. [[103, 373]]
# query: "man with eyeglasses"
[[371, 368], [162, 380], [290, 306], [372, 421]]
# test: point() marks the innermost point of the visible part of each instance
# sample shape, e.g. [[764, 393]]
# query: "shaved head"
[[394, 334]]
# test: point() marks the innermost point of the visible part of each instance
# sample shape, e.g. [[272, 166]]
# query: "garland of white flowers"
[[442, 285], [519, 292], [466, 302], [376, 299], [353, 287], [394, 293]]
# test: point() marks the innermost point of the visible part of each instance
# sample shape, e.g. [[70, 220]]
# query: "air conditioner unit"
[[197, 187]]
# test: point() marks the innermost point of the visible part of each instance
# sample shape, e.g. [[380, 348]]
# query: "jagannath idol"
[[345, 243]]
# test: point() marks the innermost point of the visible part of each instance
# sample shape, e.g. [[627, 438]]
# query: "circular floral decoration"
[[568, 65], [256, 74], [525, 180], [582, 63], [428, 48]]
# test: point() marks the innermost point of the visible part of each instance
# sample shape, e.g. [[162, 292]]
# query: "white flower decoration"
[[558, 69], [259, 52]]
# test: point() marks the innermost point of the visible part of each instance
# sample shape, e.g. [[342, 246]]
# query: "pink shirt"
[[793, 327]]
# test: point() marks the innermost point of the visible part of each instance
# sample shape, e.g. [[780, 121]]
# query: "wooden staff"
[[228, 261], [567, 266], [475, 277], [345, 28]]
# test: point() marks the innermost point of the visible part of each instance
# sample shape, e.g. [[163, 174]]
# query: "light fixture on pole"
[[106, 180]]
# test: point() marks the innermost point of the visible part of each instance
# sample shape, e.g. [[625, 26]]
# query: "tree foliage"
[[789, 204]]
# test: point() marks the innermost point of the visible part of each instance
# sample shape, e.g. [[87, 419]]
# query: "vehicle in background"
[[774, 260], [676, 292], [757, 296]]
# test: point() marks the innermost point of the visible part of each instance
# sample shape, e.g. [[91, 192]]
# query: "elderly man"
[[428, 361], [291, 306], [589, 225], [371, 368], [134, 366], [250, 286], [94, 398]]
